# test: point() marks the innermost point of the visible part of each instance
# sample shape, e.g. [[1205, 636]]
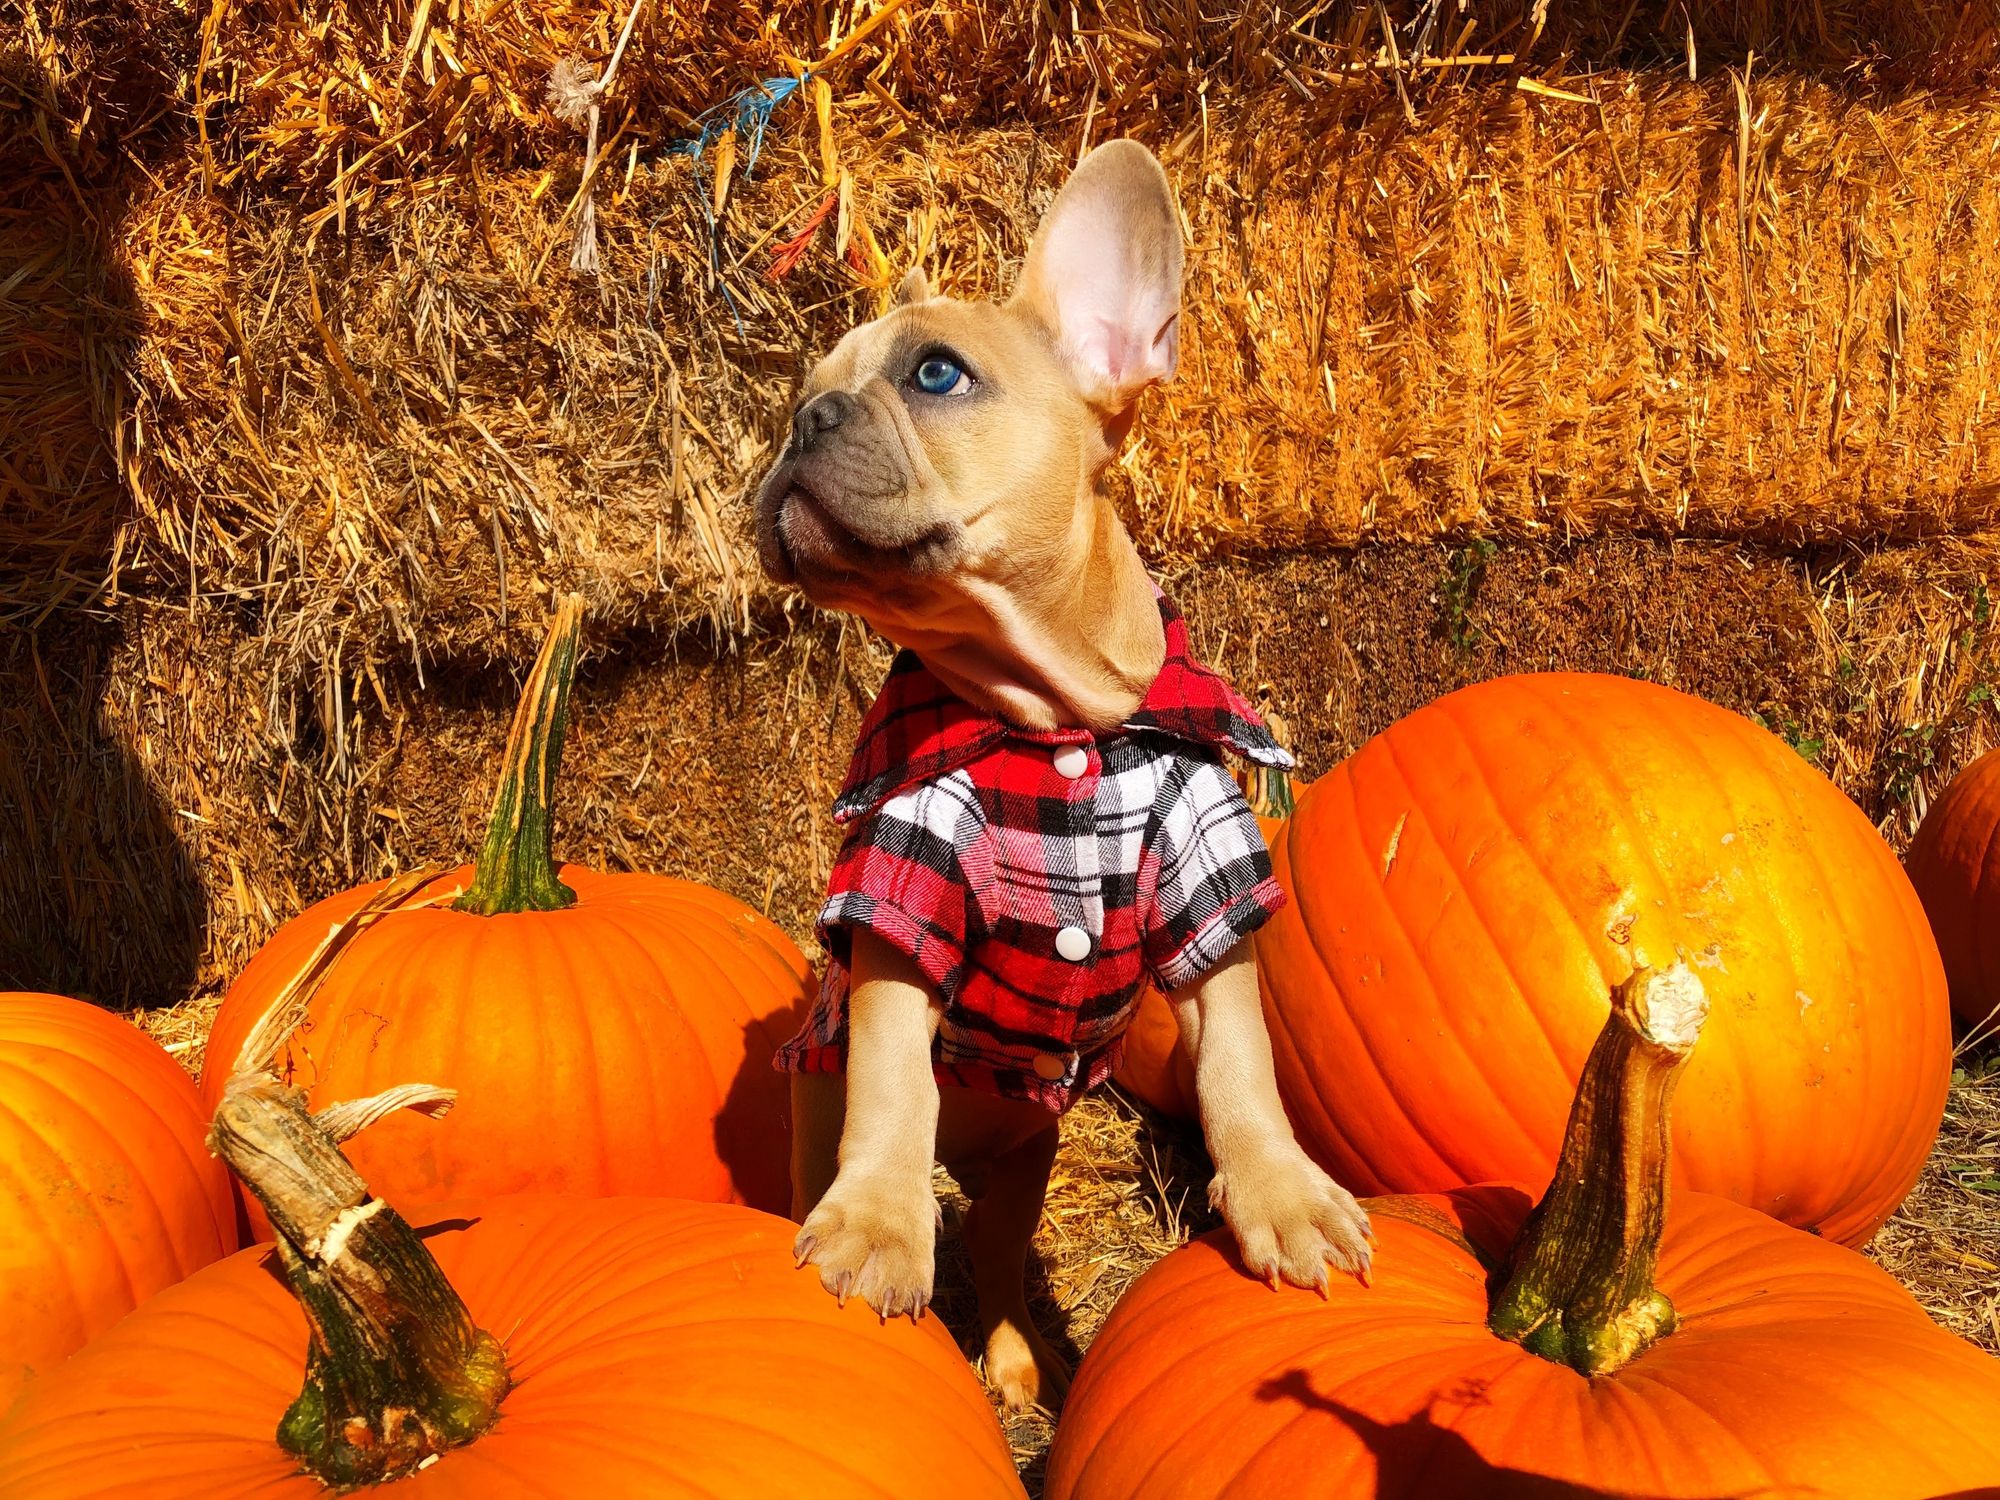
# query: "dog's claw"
[[870, 1246], [1293, 1223]]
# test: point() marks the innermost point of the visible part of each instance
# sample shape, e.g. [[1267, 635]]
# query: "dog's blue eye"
[[938, 376]]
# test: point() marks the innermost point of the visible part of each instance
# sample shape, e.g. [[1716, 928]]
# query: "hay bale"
[[345, 105], [1529, 316]]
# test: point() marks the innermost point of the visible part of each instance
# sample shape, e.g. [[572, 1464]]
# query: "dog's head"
[[948, 452]]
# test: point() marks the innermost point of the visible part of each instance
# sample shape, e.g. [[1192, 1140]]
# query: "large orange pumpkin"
[[629, 1347], [1776, 1364], [1955, 865], [1155, 1067], [1466, 887], [106, 1191], [610, 1034]]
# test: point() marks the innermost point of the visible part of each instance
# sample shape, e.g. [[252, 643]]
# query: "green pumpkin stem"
[[396, 1371], [517, 868], [1580, 1288], [1267, 789]]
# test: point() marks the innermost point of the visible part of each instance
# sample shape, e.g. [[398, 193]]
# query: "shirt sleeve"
[[900, 875], [1212, 884]]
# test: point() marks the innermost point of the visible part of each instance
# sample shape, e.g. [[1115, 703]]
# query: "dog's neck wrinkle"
[[1079, 647]]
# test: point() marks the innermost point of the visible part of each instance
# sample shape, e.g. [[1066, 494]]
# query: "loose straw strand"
[[579, 101]]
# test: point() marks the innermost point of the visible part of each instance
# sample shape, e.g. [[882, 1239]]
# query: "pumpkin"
[[611, 1033], [1954, 863], [534, 1345], [106, 1191], [1469, 884], [1600, 1344], [1155, 1067]]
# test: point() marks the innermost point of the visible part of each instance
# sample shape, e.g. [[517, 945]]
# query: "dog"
[[1037, 814]]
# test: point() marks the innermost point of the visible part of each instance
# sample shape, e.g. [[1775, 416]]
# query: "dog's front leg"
[[1290, 1219], [874, 1233]]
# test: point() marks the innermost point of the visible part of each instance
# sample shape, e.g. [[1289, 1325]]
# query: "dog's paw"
[[1021, 1366], [1291, 1220], [873, 1243]]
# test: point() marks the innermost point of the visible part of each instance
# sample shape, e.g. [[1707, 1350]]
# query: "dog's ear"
[[916, 287], [1104, 274]]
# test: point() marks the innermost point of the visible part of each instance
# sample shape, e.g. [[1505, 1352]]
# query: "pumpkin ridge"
[[1365, 1040], [616, 1248], [1169, 1375], [1603, 767], [105, 1143], [609, 1440], [26, 1202], [1455, 1167], [620, 918], [1914, 1139], [1715, 1431], [1275, 1014], [582, 1018], [700, 967], [142, 1190], [1448, 713], [548, 1331], [739, 1015], [1887, 1168], [1522, 997], [1280, 1023]]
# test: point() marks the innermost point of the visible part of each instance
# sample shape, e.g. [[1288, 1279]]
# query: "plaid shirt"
[[1037, 877]]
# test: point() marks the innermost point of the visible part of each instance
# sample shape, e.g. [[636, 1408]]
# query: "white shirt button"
[[1073, 943], [1072, 761], [1050, 1067]]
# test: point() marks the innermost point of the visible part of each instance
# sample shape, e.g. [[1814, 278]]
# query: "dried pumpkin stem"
[[517, 869], [1267, 789], [396, 1371], [1580, 1291]]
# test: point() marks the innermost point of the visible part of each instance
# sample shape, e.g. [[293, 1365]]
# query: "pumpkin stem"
[[396, 1372], [1580, 1289], [517, 869], [1267, 789]]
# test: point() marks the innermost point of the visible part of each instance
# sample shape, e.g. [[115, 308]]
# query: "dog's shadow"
[[1420, 1456]]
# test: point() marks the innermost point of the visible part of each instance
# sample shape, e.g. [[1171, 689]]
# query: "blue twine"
[[748, 114]]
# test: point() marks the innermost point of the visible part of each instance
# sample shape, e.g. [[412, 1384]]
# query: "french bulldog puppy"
[[1038, 819]]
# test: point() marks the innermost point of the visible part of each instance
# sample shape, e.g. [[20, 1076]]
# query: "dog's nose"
[[818, 417]]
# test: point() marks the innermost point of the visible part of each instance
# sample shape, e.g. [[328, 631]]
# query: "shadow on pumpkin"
[[753, 1128], [1418, 1457]]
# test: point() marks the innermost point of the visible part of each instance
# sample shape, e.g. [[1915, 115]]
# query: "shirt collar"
[[918, 730]]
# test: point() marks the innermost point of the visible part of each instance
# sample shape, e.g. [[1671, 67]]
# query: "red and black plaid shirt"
[[1036, 877]]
